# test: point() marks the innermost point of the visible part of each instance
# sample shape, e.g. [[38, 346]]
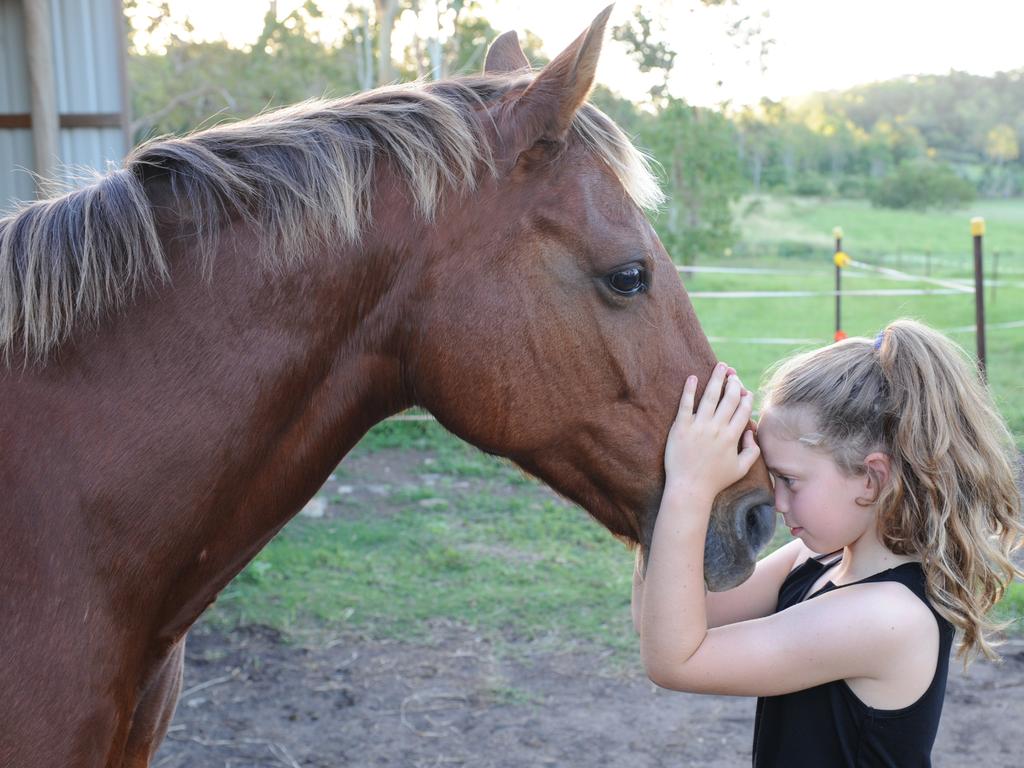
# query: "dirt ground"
[[253, 698]]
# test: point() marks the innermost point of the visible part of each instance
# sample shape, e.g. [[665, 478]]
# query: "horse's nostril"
[[758, 525], [752, 521]]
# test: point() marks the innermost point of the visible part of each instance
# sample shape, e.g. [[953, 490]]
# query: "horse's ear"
[[505, 55], [546, 109]]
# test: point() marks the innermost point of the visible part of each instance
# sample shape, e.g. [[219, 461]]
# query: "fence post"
[[840, 259], [978, 232]]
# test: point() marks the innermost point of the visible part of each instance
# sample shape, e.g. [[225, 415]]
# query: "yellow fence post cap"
[[977, 226], [837, 232]]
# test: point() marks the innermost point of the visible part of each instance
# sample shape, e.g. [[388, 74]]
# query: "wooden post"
[[840, 259], [978, 232], [42, 84]]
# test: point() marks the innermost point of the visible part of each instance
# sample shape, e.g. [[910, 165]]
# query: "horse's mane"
[[298, 175]]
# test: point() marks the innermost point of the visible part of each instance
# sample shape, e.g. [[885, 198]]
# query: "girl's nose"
[[781, 504]]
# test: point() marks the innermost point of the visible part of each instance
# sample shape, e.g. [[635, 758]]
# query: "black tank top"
[[828, 725]]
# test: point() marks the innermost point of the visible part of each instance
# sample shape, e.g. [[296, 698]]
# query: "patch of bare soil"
[[251, 699]]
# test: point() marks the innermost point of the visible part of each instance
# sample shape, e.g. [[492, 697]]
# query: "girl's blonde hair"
[[952, 499]]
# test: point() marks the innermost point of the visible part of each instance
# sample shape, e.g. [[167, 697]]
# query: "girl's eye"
[[629, 281], [786, 481]]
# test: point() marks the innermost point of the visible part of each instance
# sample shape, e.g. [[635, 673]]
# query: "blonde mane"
[[299, 175]]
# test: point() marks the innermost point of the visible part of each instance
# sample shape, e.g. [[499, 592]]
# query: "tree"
[[697, 152], [455, 42], [1001, 144], [651, 55], [387, 13], [190, 83]]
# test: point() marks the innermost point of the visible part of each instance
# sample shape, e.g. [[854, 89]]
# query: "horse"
[[192, 342]]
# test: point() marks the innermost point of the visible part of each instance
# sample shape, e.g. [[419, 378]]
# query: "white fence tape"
[[988, 327], [946, 287], [770, 342], [742, 270], [804, 294], [896, 274]]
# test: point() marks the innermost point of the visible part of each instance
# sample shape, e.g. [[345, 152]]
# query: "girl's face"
[[817, 501]]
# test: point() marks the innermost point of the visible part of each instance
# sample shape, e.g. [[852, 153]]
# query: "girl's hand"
[[702, 453]]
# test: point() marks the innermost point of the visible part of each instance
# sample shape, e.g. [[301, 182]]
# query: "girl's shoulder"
[[901, 634], [886, 603]]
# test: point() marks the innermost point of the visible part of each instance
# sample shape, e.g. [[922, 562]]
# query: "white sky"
[[820, 44]]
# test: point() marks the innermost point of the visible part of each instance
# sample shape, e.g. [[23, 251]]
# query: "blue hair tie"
[[878, 340]]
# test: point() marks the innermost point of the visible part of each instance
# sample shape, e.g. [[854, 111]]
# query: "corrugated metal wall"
[[15, 143], [88, 52]]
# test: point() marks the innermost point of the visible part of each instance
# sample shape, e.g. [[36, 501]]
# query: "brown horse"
[[194, 341]]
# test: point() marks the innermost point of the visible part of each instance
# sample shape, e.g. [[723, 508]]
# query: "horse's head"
[[558, 332]]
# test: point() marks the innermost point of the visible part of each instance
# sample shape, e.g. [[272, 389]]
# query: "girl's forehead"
[[786, 423], [785, 436]]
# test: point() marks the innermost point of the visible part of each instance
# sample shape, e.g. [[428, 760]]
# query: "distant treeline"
[[840, 142]]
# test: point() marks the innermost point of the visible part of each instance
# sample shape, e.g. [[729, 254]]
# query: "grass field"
[[768, 221], [484, 547], [481, 545]]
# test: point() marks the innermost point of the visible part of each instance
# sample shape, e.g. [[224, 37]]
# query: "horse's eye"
[[628, 281]]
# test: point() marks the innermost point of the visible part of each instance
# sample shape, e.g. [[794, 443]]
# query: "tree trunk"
[[387, 12], [364, 63]]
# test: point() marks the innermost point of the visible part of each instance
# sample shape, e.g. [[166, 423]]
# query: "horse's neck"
[[312, 359], [205, 416]]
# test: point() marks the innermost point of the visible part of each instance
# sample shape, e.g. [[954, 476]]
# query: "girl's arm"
[[859, 631]]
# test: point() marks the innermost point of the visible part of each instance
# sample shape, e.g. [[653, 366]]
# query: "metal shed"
[[63, 92]]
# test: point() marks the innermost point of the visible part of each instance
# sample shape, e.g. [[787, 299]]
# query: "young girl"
[[896, 476]]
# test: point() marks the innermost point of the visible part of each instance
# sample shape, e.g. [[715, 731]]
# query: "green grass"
[[1011, 608], [868, 230], [510, 567]]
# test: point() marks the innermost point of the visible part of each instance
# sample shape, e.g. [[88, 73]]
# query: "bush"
[[811, 186], [753, 207], [796, 249], [852, 187], [921, 185]]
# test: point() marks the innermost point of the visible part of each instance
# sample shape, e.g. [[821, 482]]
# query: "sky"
[[818, 44]]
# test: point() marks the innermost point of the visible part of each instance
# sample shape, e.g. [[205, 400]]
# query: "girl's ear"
[[879, 469]]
